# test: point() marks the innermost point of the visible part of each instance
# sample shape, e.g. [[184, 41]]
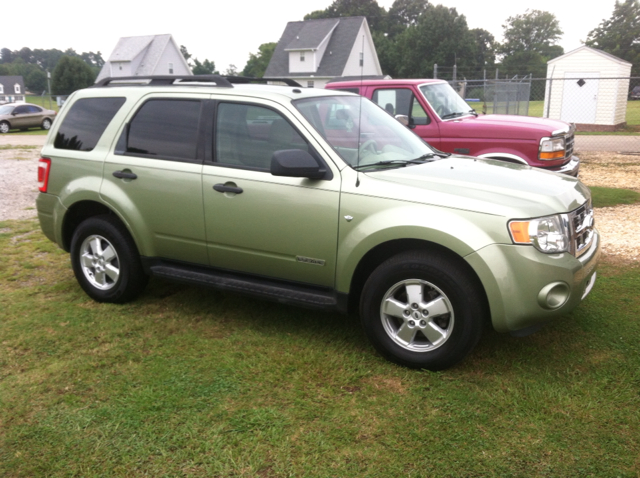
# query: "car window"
[[401, 101], [165, 129], [248, 135], [34, 109], [85, 122], [370, 135], [20, 110]]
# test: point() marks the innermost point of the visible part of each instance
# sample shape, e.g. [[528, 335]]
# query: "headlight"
[[547, 234], [551, 148]]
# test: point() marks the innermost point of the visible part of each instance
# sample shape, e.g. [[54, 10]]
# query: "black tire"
[[105, 260], [422, 310], [5, 127], [46, 124]]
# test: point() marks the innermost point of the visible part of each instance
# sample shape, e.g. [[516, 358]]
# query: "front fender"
[[377, 221]]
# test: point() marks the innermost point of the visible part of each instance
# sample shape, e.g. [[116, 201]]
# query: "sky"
[[227, 31]]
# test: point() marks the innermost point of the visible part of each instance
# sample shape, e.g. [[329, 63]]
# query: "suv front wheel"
[[105, 260], [422, 310]]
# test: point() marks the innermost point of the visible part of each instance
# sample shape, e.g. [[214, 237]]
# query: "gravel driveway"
[[619, 225]]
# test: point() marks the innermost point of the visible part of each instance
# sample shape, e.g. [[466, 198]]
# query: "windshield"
[[6, 110], [445, 101], [362, 133]]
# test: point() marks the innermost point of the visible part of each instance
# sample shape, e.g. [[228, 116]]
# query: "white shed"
[[588, 87]]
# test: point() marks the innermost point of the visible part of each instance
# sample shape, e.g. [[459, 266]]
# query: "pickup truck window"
[[445, 101], [401, 101]]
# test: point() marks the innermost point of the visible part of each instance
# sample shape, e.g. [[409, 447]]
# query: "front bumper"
[[526, 287], [571, 167]]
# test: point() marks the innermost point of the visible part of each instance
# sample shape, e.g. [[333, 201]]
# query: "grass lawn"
[[44, 101], [191, 382], [29, 132], [609, 197]]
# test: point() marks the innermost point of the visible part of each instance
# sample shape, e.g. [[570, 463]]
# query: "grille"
[[581, 223], [569, 140]]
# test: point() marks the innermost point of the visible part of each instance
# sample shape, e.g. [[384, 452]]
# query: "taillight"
[[44, 167]]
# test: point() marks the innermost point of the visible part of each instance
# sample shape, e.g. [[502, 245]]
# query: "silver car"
[[23, 116]]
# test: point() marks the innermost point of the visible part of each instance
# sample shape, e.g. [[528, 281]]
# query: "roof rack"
[[165, 80], [248, 79], [189, 80]]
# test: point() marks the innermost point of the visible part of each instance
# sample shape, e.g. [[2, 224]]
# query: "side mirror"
[[296, 163], [403, 119]]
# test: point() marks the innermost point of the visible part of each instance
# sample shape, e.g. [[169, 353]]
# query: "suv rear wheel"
[[105, 260], [422, 310]]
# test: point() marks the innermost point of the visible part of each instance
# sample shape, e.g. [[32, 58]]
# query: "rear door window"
[[164, 129], [85, 122]]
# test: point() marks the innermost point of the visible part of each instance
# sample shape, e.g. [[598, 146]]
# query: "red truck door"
[[402, 101]]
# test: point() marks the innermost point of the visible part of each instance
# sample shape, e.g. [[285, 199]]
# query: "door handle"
[[125, 175], [221, 188]]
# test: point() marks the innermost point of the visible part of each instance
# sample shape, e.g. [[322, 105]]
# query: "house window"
[[16, 88], [171, 68], [361, 58], [301, 56], [1, 89], [310, 84]]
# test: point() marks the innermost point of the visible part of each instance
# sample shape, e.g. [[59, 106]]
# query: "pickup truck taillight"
[[44, 167]]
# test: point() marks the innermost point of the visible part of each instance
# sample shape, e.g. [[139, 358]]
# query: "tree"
[[440, 36], [484, 50], [205, 68], [620, 34], [257, 64], [185, 54], [232, 70], [529, 43], [404, 14], [6, 56], [376, 15], [71, 74]]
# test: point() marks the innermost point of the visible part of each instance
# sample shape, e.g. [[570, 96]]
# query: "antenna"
[[360, 114]]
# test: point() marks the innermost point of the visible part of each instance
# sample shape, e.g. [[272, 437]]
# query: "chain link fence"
[[606, 110]]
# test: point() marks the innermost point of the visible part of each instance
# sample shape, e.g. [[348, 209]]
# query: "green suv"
[[310, 197]]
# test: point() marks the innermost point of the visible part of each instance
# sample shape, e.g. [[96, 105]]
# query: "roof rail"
[[249, 79], [165, 80]]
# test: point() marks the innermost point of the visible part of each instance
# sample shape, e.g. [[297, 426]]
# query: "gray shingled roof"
[[335, 57], [9, 82], [311, 34]]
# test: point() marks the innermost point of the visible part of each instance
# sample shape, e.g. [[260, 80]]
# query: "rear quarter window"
[[85, 123]]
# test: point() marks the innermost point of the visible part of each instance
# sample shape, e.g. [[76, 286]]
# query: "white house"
[[144, 56], [588, 87], [11, 89], [313, 52]]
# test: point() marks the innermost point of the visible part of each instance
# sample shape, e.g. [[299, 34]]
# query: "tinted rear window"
[[166, 129], [85, 122]]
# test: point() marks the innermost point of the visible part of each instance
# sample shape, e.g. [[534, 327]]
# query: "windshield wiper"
[[454, 115], [397, 162]]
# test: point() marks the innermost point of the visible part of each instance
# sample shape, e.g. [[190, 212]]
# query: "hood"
[[504, 126], [485, 186]]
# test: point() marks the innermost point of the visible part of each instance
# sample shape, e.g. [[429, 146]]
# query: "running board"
[[285, 293]]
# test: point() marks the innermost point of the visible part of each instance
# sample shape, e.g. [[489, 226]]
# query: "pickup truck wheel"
[[422, 310], [105, 261]]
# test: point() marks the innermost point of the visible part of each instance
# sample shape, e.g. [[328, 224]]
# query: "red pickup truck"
[[436, 113]]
